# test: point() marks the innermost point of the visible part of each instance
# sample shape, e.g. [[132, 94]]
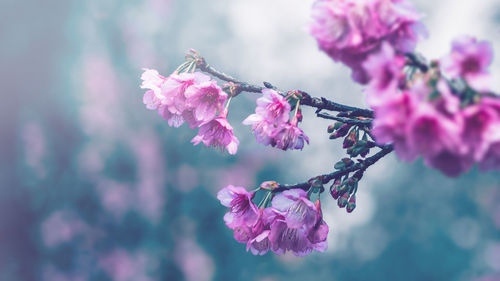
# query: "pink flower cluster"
[[271, 124], [193, 98], [351, 30], [426, 117], [292, 223], [469, 60]]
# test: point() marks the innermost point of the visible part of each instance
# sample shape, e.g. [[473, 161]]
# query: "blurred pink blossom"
[[194, 262], [61, 227], [219, 134], [350, 30], [35, 148], [121, 265], [470, 59]]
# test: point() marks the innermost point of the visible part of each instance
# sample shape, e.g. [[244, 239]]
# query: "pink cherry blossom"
[[270, 123], [150, 100], [470, 59], [152, 80], [272, 111], [491, 160], [350, 30], [273, 107], [174, 120], [168, 96], [243, 211], [284, 238], [205, 99], [297, 208], [480, 126], [174, 88], [319, 232], [450, 163], [259, 244], [298, 224], [389, 125], [288, 136], [429, 132], [386, 70], [218, 133], [261, 128]]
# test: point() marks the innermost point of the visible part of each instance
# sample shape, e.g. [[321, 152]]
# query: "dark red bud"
[[334, 189], [351, 204], [342, 201]]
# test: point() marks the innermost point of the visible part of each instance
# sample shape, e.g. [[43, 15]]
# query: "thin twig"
[[319, 103], [328, 177], [358, 122]]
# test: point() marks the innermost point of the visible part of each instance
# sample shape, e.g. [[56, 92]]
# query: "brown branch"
[[308, 100], [361, 166]]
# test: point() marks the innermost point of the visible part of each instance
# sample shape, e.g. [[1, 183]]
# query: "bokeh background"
[[93, 186]]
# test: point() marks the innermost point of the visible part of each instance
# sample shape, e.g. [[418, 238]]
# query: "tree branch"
[[358, 122], [319, 103], [328, 177]]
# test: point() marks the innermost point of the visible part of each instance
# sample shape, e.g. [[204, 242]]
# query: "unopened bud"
[[316, 184], [317, 203], [342, 130], [350, 140], [351, 204], [330, 129], [344, 163], [335, 188], [342, 201], [299, 115], [269, 185]]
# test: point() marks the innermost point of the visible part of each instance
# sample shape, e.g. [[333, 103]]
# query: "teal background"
[[93, 186]]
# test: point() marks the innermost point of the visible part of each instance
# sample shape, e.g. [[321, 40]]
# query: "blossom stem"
[[263, 203], [227, 103], [358, 122], [296, 110], [181, 67], [192, 67]]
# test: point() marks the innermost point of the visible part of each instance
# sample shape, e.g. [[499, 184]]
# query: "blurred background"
[[93, 186]]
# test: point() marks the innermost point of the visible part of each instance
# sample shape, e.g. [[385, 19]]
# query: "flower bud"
[[330, 129], [343, 188], [344, 163], [350, 140], [269, 185], [351, 204], [316, 184], [342, 201], [335, 188], [342, 130]]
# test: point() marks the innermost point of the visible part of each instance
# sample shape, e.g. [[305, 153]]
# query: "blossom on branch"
[[350, 30], [470, 59], [270, 122], [291, 223], [218, 133], [426, 117]]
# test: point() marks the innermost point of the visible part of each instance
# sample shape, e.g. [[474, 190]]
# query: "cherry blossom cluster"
[[292, 222], [443, 112], [453, 123], [193, 98], [271, 122], [350, 30]]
